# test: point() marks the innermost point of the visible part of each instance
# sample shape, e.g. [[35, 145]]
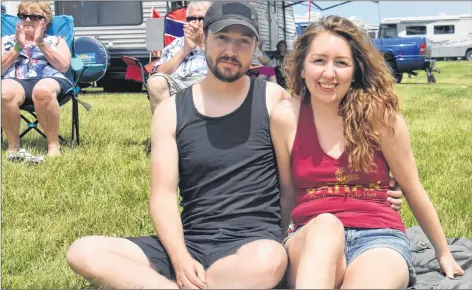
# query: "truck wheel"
[[468, 54], [397, 75]]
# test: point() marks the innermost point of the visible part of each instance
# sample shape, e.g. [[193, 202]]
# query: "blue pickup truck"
[[402, 54]]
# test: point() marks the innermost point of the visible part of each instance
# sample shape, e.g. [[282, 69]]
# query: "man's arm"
[[171, 61], [192, 39], [282, 126], [164, 202], [170, 66], [164, 180]]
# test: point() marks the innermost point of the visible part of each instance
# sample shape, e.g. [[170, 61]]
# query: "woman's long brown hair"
[[371, 104]]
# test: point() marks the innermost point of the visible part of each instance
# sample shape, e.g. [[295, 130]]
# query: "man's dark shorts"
[[205, 249]]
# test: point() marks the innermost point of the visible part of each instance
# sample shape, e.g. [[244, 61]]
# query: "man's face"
[[197, 14], [229, 52]]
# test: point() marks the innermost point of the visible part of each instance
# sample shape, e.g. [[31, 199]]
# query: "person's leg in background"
[[13, 96]]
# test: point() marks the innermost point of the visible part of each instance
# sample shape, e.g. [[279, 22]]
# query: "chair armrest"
[[76, 63]]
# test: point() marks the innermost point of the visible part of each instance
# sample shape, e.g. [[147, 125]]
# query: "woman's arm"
[[8, 57], [59, 58], [281, 128], [397, 151]]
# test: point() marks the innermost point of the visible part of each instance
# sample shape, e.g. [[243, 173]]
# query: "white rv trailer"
[[370, 29], [450, 35], [120, 27]]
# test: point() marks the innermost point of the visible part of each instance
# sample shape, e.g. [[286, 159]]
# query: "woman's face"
[[328, 68], [31, 19], [282, 47]]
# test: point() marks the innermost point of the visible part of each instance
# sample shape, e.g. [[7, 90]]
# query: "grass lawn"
[[102, 187]]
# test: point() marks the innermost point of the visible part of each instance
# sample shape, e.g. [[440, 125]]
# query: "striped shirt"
[[193, 64]]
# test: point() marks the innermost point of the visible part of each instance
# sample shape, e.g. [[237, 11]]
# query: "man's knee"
[[158, 89], [83, 254], [268, 258], [158, 84]]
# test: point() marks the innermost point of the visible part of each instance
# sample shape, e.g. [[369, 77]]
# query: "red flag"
[[155, 14]]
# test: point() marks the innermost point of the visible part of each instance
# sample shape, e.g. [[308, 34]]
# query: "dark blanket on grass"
[[427, 266]]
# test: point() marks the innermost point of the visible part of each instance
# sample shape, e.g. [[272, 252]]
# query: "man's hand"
[[396, 195], [20, 34], [193, 36], [189, 273]]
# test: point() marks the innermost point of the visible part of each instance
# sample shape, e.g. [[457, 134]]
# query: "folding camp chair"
[[60, 25], [173, 28]]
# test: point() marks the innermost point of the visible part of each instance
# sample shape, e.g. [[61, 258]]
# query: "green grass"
[[102, 187]]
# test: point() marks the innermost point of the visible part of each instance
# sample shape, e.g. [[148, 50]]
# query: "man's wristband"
[[17, 47]]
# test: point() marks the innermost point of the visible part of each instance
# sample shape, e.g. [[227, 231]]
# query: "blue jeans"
[[358, 241]]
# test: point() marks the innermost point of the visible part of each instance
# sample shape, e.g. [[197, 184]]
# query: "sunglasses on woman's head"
[[191, 18], [30, 16]]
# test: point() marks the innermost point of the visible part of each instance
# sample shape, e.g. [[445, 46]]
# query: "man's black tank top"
[[227, 168]]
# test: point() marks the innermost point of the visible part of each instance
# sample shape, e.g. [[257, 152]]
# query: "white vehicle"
[[450, 35], [121, 27]]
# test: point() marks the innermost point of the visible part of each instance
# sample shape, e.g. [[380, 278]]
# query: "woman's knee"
[[12, 92], [44, 92], [325, 223]]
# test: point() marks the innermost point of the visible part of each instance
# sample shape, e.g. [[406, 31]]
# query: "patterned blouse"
[[31, 63], [193, 65]]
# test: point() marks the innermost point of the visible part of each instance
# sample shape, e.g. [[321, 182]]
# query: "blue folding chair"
[[60, 25]]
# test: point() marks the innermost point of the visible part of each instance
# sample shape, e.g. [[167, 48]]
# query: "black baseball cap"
[[223, 14]]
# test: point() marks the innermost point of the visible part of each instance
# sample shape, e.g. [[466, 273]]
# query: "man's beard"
[[224, 75]]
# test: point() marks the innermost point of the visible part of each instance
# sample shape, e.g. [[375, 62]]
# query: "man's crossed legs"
[[161, 86], [142, 262]]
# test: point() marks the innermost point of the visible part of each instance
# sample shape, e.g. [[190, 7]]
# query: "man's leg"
[[258, 264], [158, 89], [115, 262]]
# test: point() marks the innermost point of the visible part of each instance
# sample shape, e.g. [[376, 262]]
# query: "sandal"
[[34, 159], [21, 155]]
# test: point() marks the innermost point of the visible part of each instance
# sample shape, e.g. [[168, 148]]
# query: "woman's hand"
[[39, 32], [449, 266], [20, 34]]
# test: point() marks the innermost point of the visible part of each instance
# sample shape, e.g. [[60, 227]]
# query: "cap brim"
[[219, 25]]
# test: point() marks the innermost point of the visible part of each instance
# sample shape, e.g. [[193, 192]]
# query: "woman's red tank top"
[[325, 184]]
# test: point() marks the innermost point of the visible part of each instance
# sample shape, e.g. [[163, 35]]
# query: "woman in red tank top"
[[336, 142]]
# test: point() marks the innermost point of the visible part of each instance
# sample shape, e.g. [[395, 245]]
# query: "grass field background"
[[102, 186]]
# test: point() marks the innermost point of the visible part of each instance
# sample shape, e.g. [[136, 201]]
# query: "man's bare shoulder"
[[274, 95], [286, 111]]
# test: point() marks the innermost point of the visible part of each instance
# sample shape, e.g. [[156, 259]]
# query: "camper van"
[[302, 23], [120, 26], [450, 35]]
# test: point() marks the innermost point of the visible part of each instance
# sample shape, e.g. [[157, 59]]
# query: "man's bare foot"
[[54, 150]]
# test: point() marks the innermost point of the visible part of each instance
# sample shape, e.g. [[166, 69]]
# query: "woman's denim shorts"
[[358, 241]]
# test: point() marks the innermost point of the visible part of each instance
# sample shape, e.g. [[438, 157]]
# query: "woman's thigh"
[[294, 245], [372, 254]]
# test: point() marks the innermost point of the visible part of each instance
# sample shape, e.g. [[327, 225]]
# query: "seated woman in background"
[[279, 57], [33, 67], [336, 142], [260, 66]]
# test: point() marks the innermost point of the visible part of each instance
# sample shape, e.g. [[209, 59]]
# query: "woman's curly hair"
[[370, 105]]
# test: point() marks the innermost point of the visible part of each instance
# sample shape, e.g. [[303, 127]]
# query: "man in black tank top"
[[212, 141]]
